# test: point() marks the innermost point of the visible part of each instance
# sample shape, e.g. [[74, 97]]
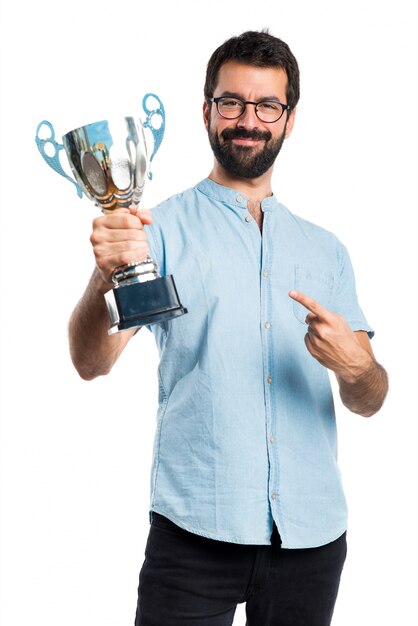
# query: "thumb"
[[143, 214]]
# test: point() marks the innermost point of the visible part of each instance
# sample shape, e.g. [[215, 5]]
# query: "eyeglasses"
[[268, 111]]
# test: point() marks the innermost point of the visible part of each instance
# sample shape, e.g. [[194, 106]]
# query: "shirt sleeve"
[[346, 302]]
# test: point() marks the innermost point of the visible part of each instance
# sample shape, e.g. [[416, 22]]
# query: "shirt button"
[[272, 439], [239, 199], [265, 273], [267, 325], [274, 496], [269, 380], [248, 219]]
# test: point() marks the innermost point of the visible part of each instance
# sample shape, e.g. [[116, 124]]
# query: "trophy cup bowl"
[[110, 163]]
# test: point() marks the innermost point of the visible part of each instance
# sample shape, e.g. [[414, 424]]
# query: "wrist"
[[99, 283], [358, 369]]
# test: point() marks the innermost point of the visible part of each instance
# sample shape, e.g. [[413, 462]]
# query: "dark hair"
[[261, 50]]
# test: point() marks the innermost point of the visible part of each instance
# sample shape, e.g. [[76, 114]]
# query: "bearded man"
[[246, 501]]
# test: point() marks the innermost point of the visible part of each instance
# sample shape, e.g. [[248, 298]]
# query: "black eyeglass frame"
[[285, 107]]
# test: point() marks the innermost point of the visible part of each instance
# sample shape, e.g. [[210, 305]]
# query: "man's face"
[[246, 147]]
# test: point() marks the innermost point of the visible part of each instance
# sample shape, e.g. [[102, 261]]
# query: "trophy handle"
[[53, 161], [157, 131]]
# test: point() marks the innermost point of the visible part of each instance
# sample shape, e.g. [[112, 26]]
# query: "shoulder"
[[305, 227], [174, 220], [309, 233], [176, 204]]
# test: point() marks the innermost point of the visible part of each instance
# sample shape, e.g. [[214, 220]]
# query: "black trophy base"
[[142, 304]]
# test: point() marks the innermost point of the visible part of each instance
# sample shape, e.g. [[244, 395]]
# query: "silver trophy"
[[110, 163]]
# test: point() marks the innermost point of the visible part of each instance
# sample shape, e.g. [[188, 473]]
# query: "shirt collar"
[[231, 197]]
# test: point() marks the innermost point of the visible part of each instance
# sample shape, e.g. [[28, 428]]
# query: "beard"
[[243, 161]]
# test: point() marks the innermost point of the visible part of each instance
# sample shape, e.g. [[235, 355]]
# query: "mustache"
[[241, 133]]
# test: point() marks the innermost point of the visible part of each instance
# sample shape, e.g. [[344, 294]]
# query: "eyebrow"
[[233, 94]]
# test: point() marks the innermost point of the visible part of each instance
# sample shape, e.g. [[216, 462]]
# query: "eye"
[[230, 103], [269, 106]]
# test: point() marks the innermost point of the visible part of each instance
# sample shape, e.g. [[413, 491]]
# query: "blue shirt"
[[246, 429]]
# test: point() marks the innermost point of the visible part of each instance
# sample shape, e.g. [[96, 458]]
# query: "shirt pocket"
[[316, 284]]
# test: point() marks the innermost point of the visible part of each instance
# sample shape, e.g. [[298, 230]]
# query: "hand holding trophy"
[[109, 160]]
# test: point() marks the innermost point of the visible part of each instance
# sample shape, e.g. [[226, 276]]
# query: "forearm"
[[92, 350], [365, 393]]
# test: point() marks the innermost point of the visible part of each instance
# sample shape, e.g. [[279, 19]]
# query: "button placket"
[[267, 338]]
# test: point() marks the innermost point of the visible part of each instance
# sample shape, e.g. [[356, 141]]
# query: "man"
[[246, 498]]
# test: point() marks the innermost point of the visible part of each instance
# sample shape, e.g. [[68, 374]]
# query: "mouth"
[[245, 138], [245, 142]]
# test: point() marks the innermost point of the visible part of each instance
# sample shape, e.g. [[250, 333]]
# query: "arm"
[[117, 238], [364, 390], [362, 381]]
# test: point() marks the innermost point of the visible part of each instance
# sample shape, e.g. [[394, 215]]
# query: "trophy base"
[[142, 304]]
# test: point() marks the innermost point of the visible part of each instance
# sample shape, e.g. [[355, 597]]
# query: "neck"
[[255, 189]]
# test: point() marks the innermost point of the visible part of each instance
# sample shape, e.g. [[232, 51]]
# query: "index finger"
[[309, 303]]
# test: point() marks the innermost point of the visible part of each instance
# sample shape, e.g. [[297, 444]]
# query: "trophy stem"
[[138, 272]]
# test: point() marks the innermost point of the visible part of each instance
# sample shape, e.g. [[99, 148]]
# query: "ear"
[[206, 113], [290, 122]]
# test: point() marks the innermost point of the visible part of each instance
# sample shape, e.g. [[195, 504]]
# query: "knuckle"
[[99, 225], [100, 254], [326, 333], [94, 238], [97, 222], [126, 221], [335, 321]]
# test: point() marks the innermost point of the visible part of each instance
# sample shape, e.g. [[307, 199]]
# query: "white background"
[[76, 456]]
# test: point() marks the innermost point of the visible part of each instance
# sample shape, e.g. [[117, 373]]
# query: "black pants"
[[187, 580]]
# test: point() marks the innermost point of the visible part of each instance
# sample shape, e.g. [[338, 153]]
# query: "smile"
[[245, 142]]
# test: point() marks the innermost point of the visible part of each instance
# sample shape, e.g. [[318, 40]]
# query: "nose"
[[248, 119]]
